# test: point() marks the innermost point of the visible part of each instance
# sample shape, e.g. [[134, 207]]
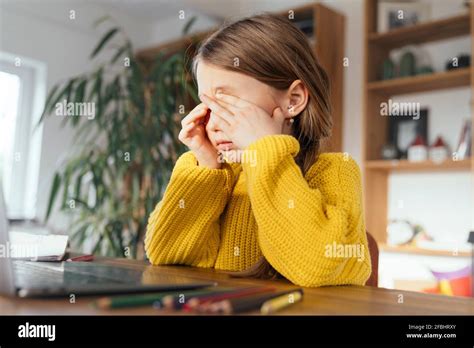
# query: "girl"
[[254, 195]]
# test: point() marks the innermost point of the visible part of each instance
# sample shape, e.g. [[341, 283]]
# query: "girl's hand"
[[242, 121], [193, 135]]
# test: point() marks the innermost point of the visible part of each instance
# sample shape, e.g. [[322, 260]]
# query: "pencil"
[[154, 299], [280, 302], [202, 302], [246, 303], [177, 300]]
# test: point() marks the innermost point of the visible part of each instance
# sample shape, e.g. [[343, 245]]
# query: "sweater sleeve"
[[184, 226], [300, 229]]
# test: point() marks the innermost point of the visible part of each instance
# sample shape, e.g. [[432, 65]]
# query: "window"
[[22, 89]]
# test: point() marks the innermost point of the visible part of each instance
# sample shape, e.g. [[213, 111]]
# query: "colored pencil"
[[246, 303], [280, 302], [200, 303], [176, 301], [154, 299]]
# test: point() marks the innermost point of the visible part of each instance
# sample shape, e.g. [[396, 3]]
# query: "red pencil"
[[201, 303]]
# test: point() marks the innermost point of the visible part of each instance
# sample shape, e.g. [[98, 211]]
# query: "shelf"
[[407, 166], [422, 33], [459, 77], [409, 249]]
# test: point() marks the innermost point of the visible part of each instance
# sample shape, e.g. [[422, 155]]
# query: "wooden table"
[[333, 300]]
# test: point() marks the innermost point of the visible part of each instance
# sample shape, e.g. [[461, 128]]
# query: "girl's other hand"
[[242, 121], [193, 135]]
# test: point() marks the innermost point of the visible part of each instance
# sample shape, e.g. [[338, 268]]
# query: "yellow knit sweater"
[[310, 228]]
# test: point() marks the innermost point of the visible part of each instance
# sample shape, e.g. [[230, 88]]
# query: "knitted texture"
[[228, 218]]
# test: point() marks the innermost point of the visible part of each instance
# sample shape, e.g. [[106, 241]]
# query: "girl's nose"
[[211, 123]]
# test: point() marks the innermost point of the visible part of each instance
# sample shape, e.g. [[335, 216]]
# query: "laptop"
[[46, 279]]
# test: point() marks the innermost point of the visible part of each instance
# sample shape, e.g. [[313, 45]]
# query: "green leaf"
[[48, 102], [188, 25], [110, 34], [80, 91], [53, 194], [66, 181], [100, 20], [119, 53]]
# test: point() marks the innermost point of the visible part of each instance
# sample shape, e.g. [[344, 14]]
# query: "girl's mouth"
[[224, 145]]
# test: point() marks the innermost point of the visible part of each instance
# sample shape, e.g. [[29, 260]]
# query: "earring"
[[290, 111]]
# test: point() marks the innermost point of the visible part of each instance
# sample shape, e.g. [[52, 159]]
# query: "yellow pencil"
[[280, 302]]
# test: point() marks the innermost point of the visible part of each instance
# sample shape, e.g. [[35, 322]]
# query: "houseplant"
[[123, 156]]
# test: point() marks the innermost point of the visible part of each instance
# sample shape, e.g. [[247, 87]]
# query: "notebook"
[[37, 247]]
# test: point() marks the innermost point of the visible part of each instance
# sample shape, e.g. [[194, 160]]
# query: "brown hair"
[[272, 50]]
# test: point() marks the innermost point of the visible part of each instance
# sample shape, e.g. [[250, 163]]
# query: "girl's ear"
[[297, 98]]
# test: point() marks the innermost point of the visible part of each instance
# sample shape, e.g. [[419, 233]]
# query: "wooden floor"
[[334, 300]]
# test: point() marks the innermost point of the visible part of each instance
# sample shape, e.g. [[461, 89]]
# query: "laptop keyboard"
[[46, 274], [27, 273]]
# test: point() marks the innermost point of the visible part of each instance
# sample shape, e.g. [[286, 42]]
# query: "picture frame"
[[388, 14], [403, 130]]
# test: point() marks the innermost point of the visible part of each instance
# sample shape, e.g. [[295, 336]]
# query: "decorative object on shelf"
[[426, 69], [403, 131], [463, 150], [439, 151], [453, 283], [424, 62], [407, 65], [460, 61], [418, 150], [306, 26], [388, 71], [393, 15], [470, 240], [399, 232], [412, 60], [403, 233], [389, 152]]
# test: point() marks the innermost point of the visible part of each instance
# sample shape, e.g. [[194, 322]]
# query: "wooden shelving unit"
[[407, 166], [423, 83], [426, 32], [377, 47], [408, 249], [327, 42]]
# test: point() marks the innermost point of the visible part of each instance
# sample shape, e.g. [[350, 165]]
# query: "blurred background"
[[92, 93]]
